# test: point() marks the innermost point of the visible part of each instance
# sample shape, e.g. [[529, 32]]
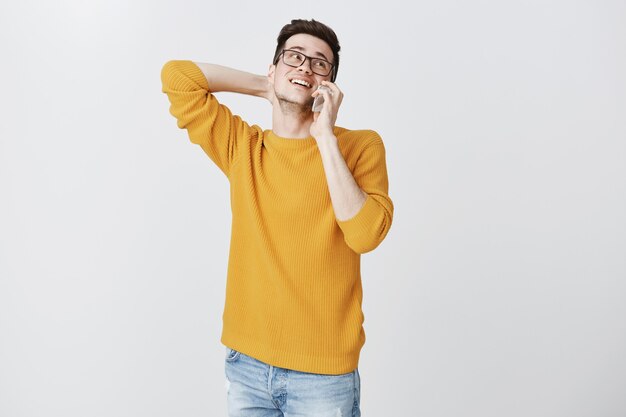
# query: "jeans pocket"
[[232, 355]]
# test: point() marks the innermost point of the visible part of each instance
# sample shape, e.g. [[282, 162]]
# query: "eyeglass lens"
[[295, 59]]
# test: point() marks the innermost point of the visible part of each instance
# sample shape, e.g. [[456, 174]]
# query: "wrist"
[[326, 139], [265, 88]]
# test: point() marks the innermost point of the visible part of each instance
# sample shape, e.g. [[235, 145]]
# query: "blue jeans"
[[256, 389]]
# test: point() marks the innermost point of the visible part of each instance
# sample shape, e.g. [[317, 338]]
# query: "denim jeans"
[[256, 389]]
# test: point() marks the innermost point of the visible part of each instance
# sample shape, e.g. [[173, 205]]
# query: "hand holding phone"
[[318, 102]]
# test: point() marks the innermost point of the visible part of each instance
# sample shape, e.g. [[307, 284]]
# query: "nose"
[[306, 65]]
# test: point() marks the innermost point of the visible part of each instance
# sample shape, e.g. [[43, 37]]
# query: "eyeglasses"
[[294, 59]]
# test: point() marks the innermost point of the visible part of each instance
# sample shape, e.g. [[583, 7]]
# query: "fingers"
[[333, 87], [320, 89], [336, 92], [331, 90]]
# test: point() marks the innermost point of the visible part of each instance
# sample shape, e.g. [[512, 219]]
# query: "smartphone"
[[318, 102]]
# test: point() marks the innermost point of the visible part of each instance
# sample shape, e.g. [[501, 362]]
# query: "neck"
[[291, 120]]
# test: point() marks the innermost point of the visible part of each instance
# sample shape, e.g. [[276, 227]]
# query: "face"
[[281, 76]]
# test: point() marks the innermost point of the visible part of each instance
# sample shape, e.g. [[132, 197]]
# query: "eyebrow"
[[299, 48]]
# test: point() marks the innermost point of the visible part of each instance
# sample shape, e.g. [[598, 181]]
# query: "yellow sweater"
[[293, 291]]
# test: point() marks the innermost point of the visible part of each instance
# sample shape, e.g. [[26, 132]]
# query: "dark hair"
[[314, 28]]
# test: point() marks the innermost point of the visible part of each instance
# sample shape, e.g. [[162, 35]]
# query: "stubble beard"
[[290, 106]]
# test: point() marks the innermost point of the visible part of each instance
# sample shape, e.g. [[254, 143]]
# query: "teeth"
[[301, 82]]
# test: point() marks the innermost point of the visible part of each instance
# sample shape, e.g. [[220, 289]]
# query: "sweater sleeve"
[[367, 229], [209, 123]]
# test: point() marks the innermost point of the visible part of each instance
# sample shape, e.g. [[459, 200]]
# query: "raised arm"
[[210, 124], [221, 78]]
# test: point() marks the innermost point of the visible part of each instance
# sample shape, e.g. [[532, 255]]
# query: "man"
[[307, 199]]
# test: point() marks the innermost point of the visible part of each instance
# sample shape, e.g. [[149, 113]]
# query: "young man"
[[307, 199]]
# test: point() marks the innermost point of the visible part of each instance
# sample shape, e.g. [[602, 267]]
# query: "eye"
[[294, 55], [321, 64]]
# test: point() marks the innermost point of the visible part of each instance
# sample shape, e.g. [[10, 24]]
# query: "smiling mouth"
[[301, 83]]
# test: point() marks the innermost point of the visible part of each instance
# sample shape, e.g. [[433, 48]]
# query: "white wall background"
[[499, 291]]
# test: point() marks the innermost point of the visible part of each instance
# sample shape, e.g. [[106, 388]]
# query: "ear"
[[270, 73]]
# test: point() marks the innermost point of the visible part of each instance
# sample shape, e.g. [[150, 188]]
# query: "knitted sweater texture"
[[293, 290]]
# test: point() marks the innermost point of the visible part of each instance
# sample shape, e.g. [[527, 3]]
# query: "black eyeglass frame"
[[332, 66]]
